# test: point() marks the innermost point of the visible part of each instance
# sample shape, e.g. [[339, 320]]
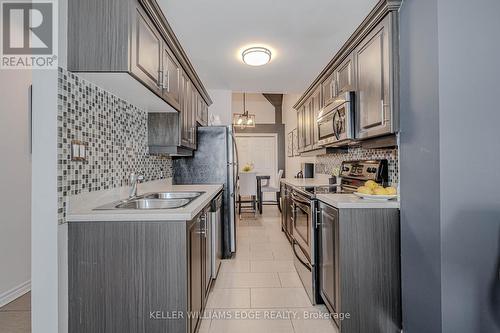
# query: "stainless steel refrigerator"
[[215, 161]]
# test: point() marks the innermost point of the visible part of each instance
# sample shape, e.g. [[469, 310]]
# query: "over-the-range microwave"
[[336, 121]]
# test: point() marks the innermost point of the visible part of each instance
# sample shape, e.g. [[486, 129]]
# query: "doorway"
[[261, 150]]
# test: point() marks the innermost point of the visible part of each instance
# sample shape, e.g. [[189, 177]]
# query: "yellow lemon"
[[371, 184], [380, 191], [391, 190], [365, 190]]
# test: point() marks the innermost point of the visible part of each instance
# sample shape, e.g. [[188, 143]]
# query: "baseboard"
[[16, 292]]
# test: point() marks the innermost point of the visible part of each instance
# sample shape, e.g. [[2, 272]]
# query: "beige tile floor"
[[259, 290], [15, 317]]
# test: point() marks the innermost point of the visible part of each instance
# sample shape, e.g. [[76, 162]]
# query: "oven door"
[[302, 219]]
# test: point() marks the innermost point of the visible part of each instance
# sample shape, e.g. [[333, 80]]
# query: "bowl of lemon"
[[373, 191]]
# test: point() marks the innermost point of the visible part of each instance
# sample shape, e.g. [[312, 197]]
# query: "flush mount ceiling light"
[[256, 56], [244, 119]]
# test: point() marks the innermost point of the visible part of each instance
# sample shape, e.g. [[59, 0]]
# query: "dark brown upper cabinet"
[[301, 128], [308, 130], [340, 81], [316, 107], [368, 64], [171, 77], [345, 76], [373, 104], [124, 45], [329, 89], [146, 56], [202, 112]]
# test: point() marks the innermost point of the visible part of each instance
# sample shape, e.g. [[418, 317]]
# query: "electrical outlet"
[[78, 150]]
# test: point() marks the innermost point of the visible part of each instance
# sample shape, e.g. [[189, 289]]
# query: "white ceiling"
[[303, 35]]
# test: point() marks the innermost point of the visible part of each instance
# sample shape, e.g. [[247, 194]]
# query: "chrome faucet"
[[134, 180]]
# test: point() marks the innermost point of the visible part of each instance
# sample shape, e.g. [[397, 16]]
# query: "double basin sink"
[[158, 200]]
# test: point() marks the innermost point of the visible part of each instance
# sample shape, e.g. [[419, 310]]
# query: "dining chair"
[[274, 187], [247, 188]]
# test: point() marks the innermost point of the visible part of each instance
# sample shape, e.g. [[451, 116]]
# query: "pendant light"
[[243, 120]]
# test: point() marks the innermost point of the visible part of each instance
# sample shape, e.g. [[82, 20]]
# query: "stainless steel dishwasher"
[[216, 220]]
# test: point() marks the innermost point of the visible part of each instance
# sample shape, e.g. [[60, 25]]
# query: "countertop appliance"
[[216, 221], [307, 170], [214, 162], [336, 122]]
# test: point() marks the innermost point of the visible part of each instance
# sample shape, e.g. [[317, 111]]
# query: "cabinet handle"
[[203, 226], [159, 82], [166, 81], [382, 110], [318, 218]]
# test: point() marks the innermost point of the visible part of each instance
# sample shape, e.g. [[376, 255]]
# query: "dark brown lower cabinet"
[[196, 290], [286, 211], [141, 277], [360, 268], [200, 274]]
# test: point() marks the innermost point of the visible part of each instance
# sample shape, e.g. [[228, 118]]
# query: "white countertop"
[[306, 181], [80, 208], [352, 201]]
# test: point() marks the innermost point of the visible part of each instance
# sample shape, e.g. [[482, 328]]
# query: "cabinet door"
[[308, 134], [146, 62], [170, 80], [199, 109], [284, 209], [204, 115], [194, 111], [345, 76], [207, 240], [186, 112], [373, 107], [300, 128], [329, 257], [316, 107], [195, 271], [329, 89], [202, 112]]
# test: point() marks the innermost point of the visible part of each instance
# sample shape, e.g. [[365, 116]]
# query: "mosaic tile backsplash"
[[326, 163], [115, 133]]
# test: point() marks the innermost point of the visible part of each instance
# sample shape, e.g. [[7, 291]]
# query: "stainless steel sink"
[[173, 195], [158, 200], [153, 204]]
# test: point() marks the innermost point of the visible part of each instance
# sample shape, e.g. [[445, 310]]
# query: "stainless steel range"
[[355, 173], [304, 222]]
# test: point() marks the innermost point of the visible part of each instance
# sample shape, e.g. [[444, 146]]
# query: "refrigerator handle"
[[235, 163]]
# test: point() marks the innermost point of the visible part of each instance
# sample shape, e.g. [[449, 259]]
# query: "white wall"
[[49, 310], [256, 104], [292, 164], [221, 106], [15, 184], [45, 249]]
